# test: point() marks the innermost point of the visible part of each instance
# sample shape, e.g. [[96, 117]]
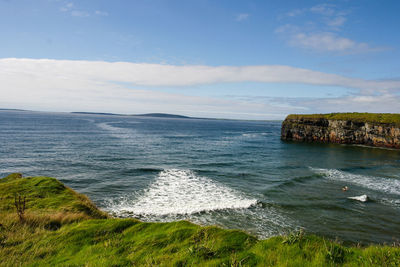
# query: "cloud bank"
[[67, 85], [145, 74]]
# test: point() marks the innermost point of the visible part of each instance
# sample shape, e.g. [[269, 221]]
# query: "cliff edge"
[[45, 223], [372, 129]]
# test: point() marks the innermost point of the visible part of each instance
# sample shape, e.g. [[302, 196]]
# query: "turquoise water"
[[236, 174]]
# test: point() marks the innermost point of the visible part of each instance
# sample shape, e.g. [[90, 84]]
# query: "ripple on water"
[[387, 185]]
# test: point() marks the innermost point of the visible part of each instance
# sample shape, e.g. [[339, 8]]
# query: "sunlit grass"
[[390, 118], [71, 231]]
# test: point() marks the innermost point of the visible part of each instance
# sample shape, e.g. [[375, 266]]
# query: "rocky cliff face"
[[341, 131]]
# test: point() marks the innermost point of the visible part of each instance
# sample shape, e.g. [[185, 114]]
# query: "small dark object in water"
[[345, 188]]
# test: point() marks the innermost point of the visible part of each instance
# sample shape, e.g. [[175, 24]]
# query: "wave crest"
[[387, 185], [180, 192]]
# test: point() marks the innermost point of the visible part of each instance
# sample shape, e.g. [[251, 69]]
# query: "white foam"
[[121, 133], [387, 185], [262, 222], [363, 198], [179, 192], [254, 135], [106, 126]]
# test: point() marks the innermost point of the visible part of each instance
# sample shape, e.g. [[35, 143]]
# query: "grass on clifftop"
[[62, 227], [391, 118], [44, 196]]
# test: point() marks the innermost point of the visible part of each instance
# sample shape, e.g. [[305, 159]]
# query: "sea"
[[231, 173]]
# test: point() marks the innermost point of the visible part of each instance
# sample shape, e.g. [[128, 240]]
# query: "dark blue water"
[[236, 174]]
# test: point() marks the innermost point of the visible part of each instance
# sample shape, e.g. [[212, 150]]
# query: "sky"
[[206, 58]]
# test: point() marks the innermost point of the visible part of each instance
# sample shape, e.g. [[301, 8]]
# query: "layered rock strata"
[[310, 128]]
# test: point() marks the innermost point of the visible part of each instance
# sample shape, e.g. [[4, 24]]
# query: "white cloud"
[[241, 17], [101, 13], [74, 11], [79, 13], [66, 85], [323, 41], [145, 74], [287, 29], [385, 103], [337, 21], [323, 9], [322, 34], [330, 15], [327, 41], [67, 7], [295, 12]]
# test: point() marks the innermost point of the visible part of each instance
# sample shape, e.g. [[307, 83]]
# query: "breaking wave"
[[182, 192], [387, 185]]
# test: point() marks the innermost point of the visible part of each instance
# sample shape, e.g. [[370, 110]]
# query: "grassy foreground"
[[62, 227], [390, 118]]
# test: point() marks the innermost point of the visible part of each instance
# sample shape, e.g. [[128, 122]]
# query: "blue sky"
[[200, 58]]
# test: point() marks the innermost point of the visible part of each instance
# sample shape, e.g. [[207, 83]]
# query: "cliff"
[[372, 129]]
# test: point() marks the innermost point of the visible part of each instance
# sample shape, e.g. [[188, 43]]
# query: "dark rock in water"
[[378, 130]]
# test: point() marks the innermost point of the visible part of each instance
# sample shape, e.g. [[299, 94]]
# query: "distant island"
[[97, 113], [371, 129], [149, 115], [164, 115], [12, 109], [155, 115], [161, 116]]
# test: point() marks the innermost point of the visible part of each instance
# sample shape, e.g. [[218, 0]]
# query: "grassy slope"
[[358, 117], [62, 227]]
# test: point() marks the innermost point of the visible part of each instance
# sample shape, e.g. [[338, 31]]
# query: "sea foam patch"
[[180, 192], [387, 185], [118, 132]]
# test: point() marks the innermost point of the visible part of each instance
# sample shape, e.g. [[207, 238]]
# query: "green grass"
[[85, 236], [44, 195], [389, 118]]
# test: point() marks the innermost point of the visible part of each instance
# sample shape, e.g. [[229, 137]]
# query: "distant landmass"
[[164, 115], [156, 115], [98, 113], [12, 109]]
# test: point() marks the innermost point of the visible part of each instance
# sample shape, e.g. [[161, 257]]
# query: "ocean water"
[[235, 174]]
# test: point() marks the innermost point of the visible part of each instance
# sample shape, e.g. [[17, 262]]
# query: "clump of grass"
[[20, 206], [294, 237], [335, 253]]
